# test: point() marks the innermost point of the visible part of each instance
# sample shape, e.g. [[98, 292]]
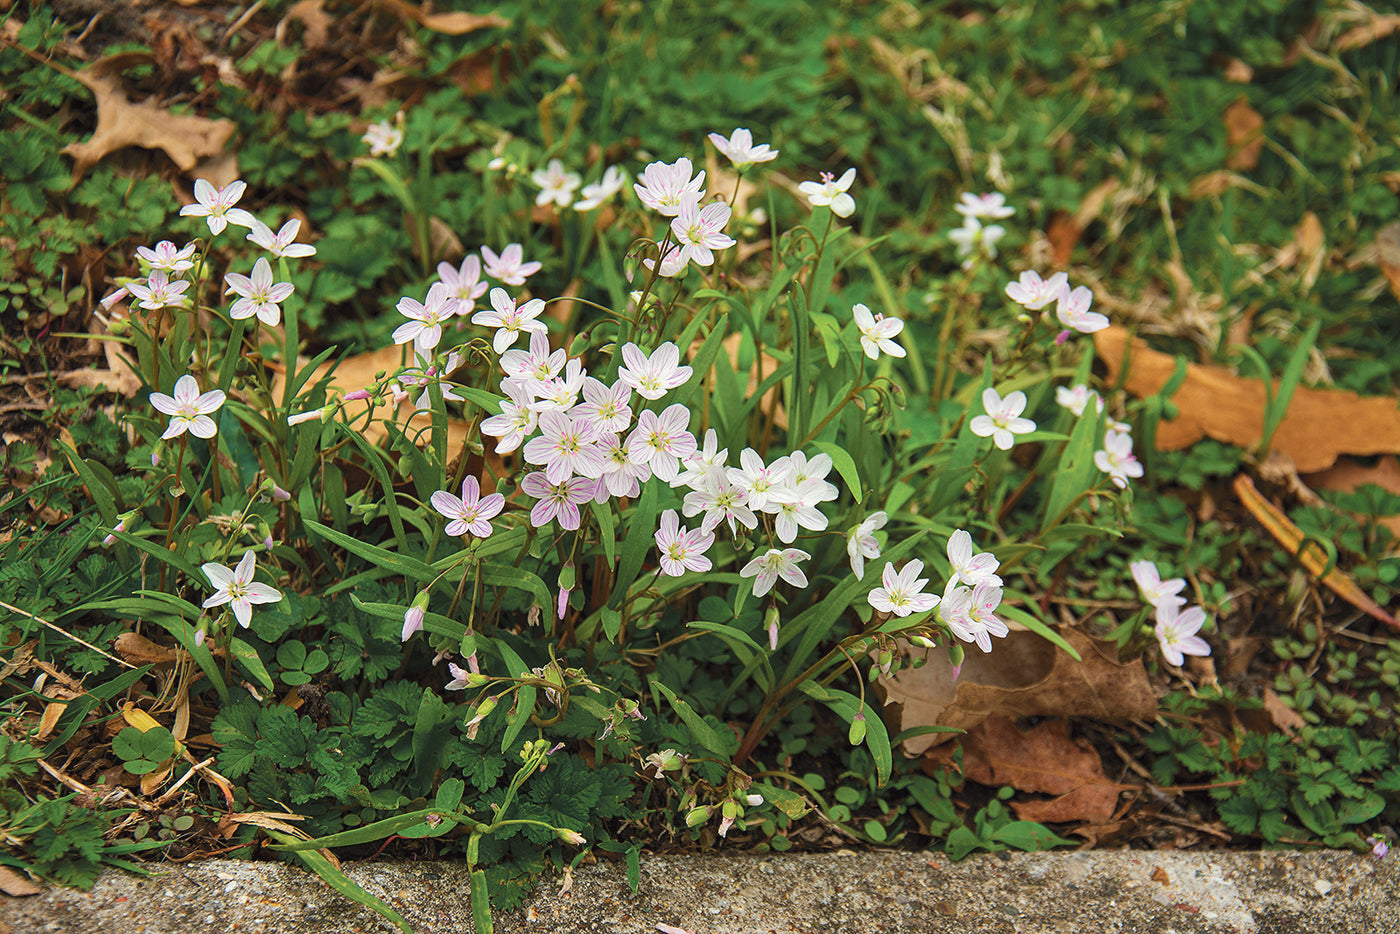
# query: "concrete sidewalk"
[[1138, 891]]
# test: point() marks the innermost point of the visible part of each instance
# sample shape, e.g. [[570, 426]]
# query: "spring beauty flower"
[[282, 243], [1035, 293], [902, 593], [236, 586], [662, 442], [259, 295], [556, 185], [665, 188], [1176, 632], [991, 206], [1002, 421], [595, 193], [700, 231], [862, 544], [1155, 590], [652, 376], [566, 447], [471, 512], [1072, 308], [464, 285], [159, 291], [972, 569], [682, 549], [775, 563], [166, 258], [1116, 459], [384, 138], [426, 318], [740, 150], [831, 191], [877, 333], [510, 267], [509, 319], [1076, 398], [217, 205], [189, 410], [557, 500]]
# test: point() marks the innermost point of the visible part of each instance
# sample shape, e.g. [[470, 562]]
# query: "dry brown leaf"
[[1388, 252], [451, 24], [1025, 676], [1244, 131], [1320, 424], [1312, 248], [316, 22], [1376, 28], [1045, 760], [136, 648], [16, 884], [49, 719], [184, 138], [770, 401], [1238, 71], [1288, 720]]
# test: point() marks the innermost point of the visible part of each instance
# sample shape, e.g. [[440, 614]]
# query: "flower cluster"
[[1176, 628], [974, 237], [1071, 305]]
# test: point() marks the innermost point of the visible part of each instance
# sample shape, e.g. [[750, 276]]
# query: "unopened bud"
[[753, 801], [571, 836], [857, 732], [770, 619], [483, 709], [923, 642], [697, 816], [729, 809]]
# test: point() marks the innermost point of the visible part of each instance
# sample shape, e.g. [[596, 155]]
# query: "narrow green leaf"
[[1076, 470], [524, 698], [641, 535], [845, 465], [342, 883], [409, 567], [877, 738], [1038, 627], [247, 656], [749, 652], [702, 732], [481, 902], [502, 575]]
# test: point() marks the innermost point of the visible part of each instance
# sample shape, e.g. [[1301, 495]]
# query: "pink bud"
[[356, 395]]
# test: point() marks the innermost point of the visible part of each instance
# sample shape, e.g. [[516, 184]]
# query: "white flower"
[[555, 184], [595, 193], [741, 150], [1076, 398], [471, 512], [831, 191], [237, 587], [1035, 293], [700, 231], [425, 325], [1002, 421], [1176, 632], [861, 543], [1072, 308], [664, 188], [259, 295], [991, 206], [903, 593], [1155, 590], [464, 285], [653, 376], [166, 258], [159, 290], [682, 549], [971, 569], [758, 481], [188, 409], [384, 138], [775, 563], [282, 243], [1116, 459], [972, 238], [510, 320], [510, 267], [218, 205], [877, 333]]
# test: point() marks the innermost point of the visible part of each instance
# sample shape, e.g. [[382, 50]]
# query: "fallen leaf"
[[1309, 554], [1064, 229], [1388, 252], [1376, 28], [1288, 720], [139, 650], [120, 123], [451, 24], [1238, 71], [1045, 760], [15, 884], [1213, 402], [1244, 134], [316, 22], [1025, 676]]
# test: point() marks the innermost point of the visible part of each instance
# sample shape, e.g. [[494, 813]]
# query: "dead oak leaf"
[[1244, 131], [120, 123], [1213, 402], [450, 23], [1045, 760]]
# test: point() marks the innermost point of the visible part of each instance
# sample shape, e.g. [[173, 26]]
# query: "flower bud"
[[753, 801], [770, 619], [697, 816], [571, 836], [729, 809], [923, 642], [857, 732]]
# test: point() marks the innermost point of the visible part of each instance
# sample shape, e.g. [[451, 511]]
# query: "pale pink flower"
[[557, 500], [714, 494], [282, 243], [700, 231], [189, 410], [460, 677], [902, 593], [653, 376], [424, 326], [556, 185], [217, 205], [412, 621], [1002, 421], [384, 138], [608, 408], [237, 587], [1072, 308], [759, 481], [517, 419], [159, 291], [775, 563], [1076, 398], [1116, 459], [969, 613], [740, 150], [665, 188], [508, 319], [1155, 590], [831, 191], [671, 264], [620, 476], [565, 448], [972, 238], [861, 542], [510, 267], [1176, 632], [682, 549], [464, 285], [662, 441], [259, 295], [1035, 293], [877, 333], [991, 206], [536, 367], [471, 512], [166, 258]]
